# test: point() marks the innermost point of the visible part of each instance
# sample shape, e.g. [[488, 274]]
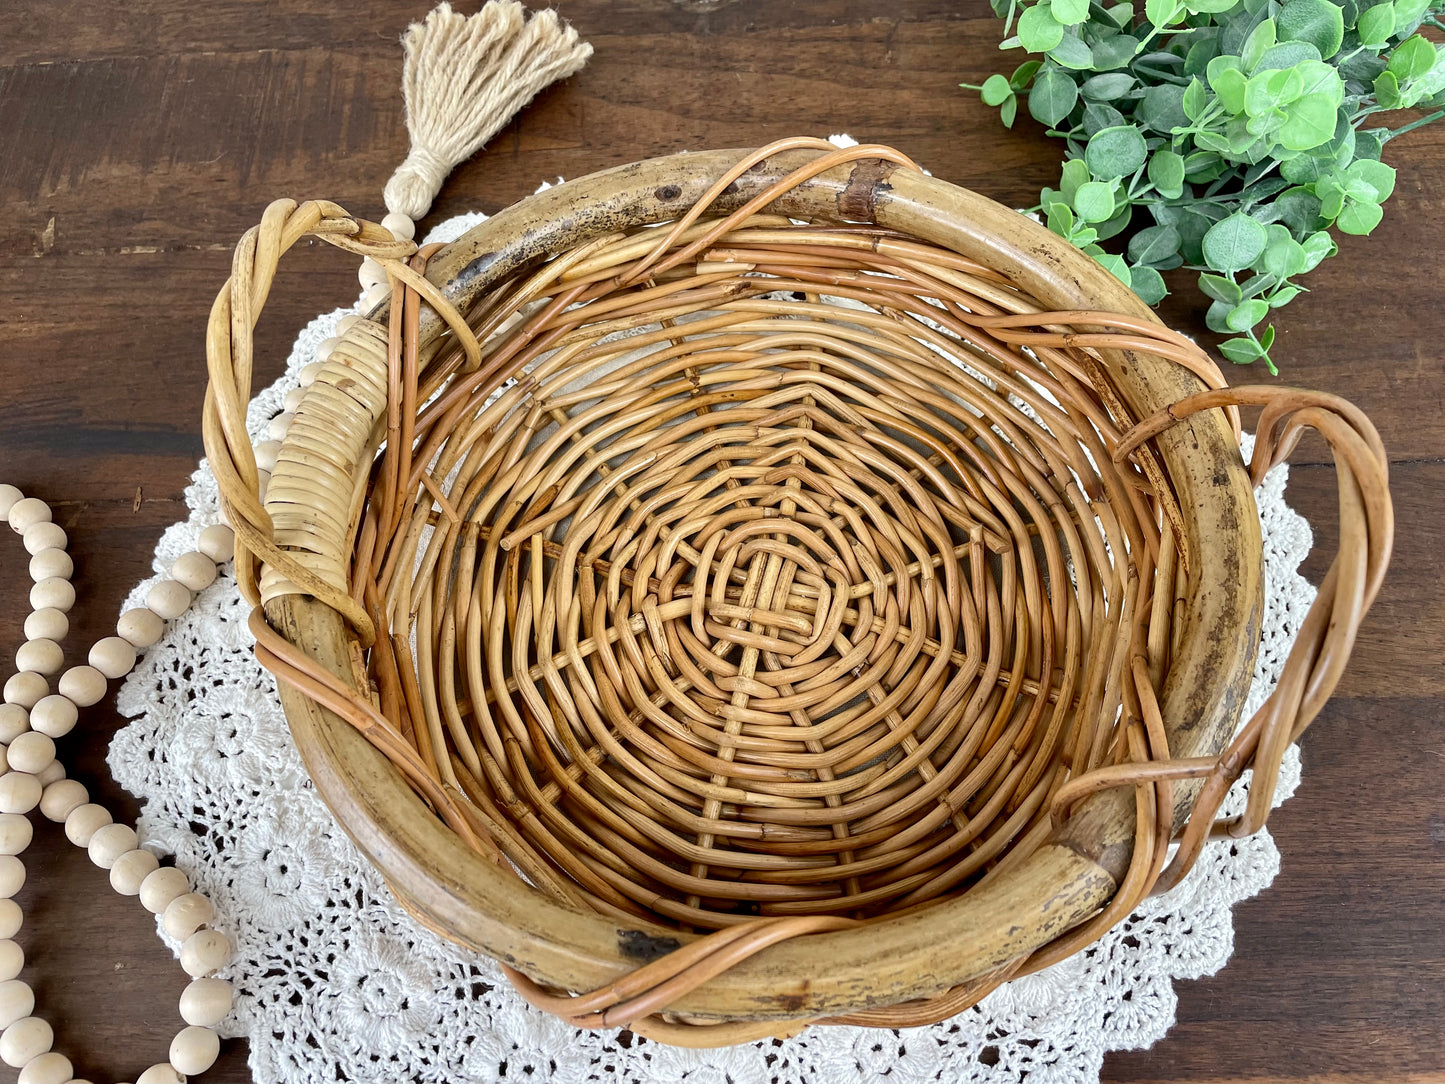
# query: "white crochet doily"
[[335, 981]]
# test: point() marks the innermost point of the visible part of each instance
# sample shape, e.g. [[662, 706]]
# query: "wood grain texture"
[[138, 140]]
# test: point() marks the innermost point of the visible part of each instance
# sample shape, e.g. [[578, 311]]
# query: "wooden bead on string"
[[278, 426], [266, 452], [14, 721], [51, 773], [129, 871], [12, 879], [25, 1040], [110, 842], [31, 752], [25, 689], [203, 952], [9, 495], [194, 1050], [27, 512], [17, 1001], [160, 1073], [84, 821], [41, 656], [195, 570], [12, 959], [83, 684], [218, 542], [47, 623], [142, 626], [308, 374], [44, 536], [11, 918], [51, 562], [113, 656], [292, 402], [15, 835], [54, 592], [169, 599], [324, 350], [62, 798], [187, 914], [162, 887], [48, 1068], [54, 716], [19, 793], [205, 1002]]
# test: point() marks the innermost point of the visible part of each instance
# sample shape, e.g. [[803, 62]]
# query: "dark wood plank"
[[137, 141]]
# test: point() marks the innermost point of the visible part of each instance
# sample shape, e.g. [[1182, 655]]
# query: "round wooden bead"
[[161, 887], [370, 274], [83, 684], [400, 225], [12, 880], [266, 452], [62, 798], [53, 772], [347, 322], [47, 624], [277, 427], [15, 835], [109, 842], [84, 821], [48, 563], [41, 656], [54, 592], [374, 297], [141, 626], [30, 752], [14, 721], [25, 1040], [54, 715], [17, 1001], [26, 689], [130, 870], [292, 401], [51, 1068], [115, 656], [12, 959], [9, 496], [195, 570], [194, 1050], [160, 1073], [44, 536], [26, 512], [19, 793], [327, 347], [203, 952], [308, 374], [205, 1002], [187, 914], [169, 599], [11, 918], [218, 542]]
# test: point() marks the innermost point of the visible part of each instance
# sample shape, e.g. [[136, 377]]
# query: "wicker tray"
[[842, 608]]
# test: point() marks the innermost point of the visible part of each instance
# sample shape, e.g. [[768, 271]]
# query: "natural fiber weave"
[[759, 576]]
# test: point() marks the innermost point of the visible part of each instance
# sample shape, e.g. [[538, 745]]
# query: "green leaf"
[[1201, 167], [1221, 289], [1318, 22], [1319, 78], [1213, 7], [1267, 340], [1246, 314], [1069, 12], [1412, 58], [1387, 91], [1074, 173], [1310, 121], [1114, 52], [1119, 222], [1122, 14], [1241, 351], [1369, 143], [1023, 73], [1256, 285], [995, 90], [1215, 318], [1166, 173], [1073, 53], [1261, 39], [1154, 245], [1376, 25], [1409, 12], [1052, 96], [1098, 116], [1360, 218], [1116, 265], [1196, 97], [1162, 13], [1094, 201], [1283, 296], [1107, 87], [1162, 109], [1234, 243], [1318, 246], [1228, 81], [1116, 152], [1009, 111], [1038, 30], [1148, 284], [1284, 258], [1287, 55]]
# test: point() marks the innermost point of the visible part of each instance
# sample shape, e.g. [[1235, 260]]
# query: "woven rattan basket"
[[745, 589]]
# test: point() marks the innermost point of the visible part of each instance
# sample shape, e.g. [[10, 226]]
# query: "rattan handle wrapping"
[[292, 544]]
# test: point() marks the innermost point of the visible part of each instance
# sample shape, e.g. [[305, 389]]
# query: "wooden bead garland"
[[31, 717]]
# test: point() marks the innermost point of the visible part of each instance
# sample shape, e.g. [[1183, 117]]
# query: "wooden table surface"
[[138, 140]]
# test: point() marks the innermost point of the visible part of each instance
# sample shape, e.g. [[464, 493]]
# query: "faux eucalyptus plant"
[[1237, 125]]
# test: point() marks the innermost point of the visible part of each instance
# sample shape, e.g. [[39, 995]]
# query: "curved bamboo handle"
[[1327, 636]]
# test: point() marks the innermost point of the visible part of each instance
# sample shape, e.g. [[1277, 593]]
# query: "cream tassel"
[[466, 77]]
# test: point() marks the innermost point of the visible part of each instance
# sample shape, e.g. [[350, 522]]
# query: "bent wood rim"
[[461, 896]]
